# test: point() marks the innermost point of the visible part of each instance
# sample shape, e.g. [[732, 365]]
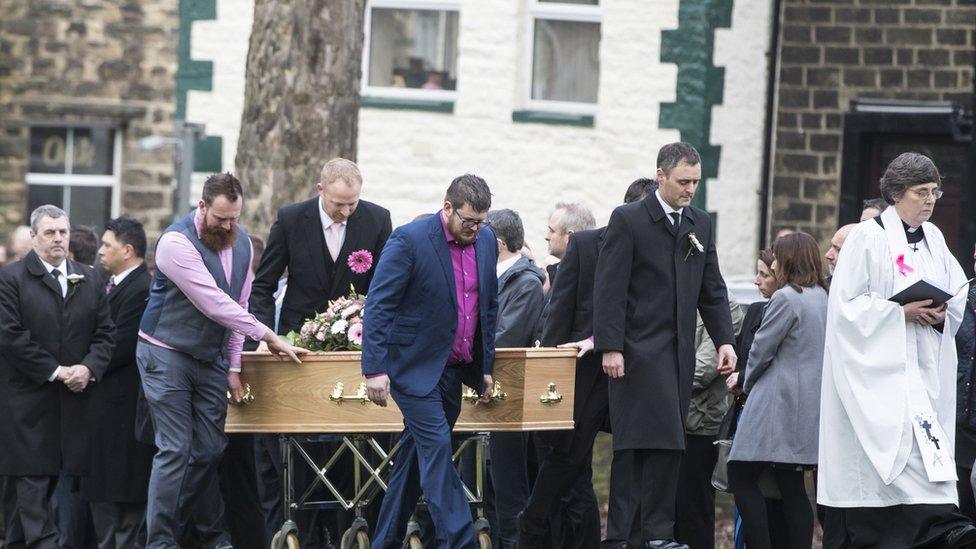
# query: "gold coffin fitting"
[[551, 396], [247, 398], [496, 394], [359, 397]]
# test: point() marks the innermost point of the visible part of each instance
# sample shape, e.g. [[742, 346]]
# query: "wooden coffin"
[[325, 394]]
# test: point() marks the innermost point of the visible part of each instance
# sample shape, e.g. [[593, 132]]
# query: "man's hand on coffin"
[[726, 359], [378, 389], [584, 346], [281, 348], [235, 387], [489, 388], [613, 364]]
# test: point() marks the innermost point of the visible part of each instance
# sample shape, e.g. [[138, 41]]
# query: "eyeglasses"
[[924, 194], [471, 223]]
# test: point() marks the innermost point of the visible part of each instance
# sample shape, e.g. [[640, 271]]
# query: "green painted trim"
[[556, 118], [191, 74], [406, 104], [700, 84], [208, 154]]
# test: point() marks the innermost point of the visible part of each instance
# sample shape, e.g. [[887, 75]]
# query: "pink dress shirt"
[[466, 292], [179, 260]]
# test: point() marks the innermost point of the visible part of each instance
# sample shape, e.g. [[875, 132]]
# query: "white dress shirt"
[[334, 242], [117, 279], [668, 210]]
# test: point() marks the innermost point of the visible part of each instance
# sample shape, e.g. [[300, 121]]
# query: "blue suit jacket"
[[411, 310]]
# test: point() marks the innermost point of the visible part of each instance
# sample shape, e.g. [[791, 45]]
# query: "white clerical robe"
[[880, 370]]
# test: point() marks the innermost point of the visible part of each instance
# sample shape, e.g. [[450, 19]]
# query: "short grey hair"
[[46, 210], [906, 171], [507, 225], [672, 154], [575, 217]]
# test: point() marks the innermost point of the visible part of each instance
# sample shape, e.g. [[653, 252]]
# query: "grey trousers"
[[119, 525], [27, 509], [188, 404]]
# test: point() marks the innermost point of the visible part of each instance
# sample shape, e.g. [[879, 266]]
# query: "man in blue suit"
[[429, 327]]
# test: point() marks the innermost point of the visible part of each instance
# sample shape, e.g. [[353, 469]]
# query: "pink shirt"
[[180, 261], [466, 292]]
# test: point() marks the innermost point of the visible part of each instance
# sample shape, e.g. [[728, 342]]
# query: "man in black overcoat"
[[56, 337], [312, 241], [118, 479], [566, 468], [657, 266]]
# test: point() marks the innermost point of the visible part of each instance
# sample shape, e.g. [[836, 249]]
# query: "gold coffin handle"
[[551, 396], [497, 394], [247, 398], [339, 398]]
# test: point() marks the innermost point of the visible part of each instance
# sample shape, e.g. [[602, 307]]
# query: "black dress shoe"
[[664, 544], [961, 536]]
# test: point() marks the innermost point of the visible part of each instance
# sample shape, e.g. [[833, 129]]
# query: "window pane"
[[93, 151], [39, 195], [91, 206], [566, 61], [48, 147], [413, 49]]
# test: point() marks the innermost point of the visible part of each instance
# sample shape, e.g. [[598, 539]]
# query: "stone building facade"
[[81, 81], [828, 151]]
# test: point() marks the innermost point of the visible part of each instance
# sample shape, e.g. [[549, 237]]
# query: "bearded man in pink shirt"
[[189, 354]]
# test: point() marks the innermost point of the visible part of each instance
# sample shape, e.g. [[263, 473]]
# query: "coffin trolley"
[[326, 397]]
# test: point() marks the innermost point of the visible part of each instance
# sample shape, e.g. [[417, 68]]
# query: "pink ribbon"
[[903, 269]]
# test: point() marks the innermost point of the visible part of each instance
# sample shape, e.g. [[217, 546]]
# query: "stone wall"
[[83, 62], [831, 53]]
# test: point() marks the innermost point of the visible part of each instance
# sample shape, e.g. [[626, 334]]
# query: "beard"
[[217, 239]]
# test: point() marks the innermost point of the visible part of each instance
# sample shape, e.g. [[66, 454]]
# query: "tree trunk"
[[301, 100]]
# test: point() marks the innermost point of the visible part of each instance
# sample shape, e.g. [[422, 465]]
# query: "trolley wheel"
[[354, 540], [291, 541], [484, 540], [413, 542]]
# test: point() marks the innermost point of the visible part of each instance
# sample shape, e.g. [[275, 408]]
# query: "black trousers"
[[695, 507], [509, 481], [744, 485], [267, 464], [643, 492], [894, 527], [243, 515], [27, 508], [565, 475], [119, 525], [73, 518]]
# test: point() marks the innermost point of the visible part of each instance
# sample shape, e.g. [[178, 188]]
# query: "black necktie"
[[57, 278], [676, 217]]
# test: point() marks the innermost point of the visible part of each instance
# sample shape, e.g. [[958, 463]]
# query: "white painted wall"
[[409, 157]]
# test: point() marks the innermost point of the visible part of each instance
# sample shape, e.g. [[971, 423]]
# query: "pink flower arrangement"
[[338, 328], [360, 261]]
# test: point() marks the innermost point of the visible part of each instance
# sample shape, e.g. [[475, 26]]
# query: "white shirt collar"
[[326, 220], [63, 267], [503, 266], [121, 276], [667, 207]]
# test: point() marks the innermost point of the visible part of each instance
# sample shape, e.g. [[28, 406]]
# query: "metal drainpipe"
[[770, 129]]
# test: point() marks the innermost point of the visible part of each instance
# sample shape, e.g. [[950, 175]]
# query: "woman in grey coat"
[[779, 425]]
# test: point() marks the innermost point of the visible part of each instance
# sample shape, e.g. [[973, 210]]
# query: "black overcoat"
[[647, 290], [297, 242], [45, 426], [120, 465], [571, 310]]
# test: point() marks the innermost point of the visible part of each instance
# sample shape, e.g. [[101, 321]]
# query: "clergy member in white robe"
[[888, 401]]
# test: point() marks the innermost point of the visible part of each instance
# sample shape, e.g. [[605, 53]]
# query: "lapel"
[[687, 224], [73, 288], [315, 241], [657, 214], [354, 226], [443, 253], [36, 268], [117, 290]]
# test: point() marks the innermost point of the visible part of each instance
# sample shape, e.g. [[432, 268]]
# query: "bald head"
[[836, 243]]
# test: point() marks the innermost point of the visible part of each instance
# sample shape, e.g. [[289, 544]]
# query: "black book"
[[925, 289]]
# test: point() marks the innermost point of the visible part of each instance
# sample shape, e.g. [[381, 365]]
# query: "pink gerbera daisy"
[[360, 261], [355, 334]]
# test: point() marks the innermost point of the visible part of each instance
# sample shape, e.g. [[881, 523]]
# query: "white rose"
[[339, 327]]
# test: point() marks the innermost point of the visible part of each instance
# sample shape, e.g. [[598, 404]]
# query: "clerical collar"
[[914, 236]]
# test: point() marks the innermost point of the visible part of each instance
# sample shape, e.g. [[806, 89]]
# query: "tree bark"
[[301, 100]]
